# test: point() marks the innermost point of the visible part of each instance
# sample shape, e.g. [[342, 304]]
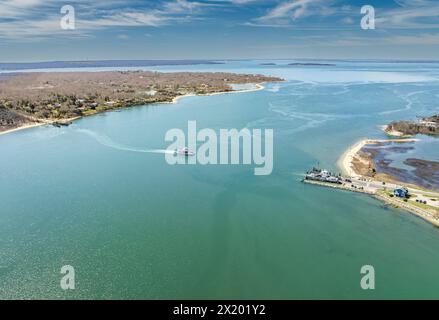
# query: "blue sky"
[[218, 29]]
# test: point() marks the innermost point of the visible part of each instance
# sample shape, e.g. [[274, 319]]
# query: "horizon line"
[[396, 60]]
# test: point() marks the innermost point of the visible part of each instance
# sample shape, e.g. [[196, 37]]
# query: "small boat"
[[184, 152], [60, 124]]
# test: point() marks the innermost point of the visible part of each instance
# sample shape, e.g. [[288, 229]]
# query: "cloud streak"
[[27, 19], [413, 14], [289, 12]]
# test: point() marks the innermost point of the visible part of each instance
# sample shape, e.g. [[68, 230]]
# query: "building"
[[110, 103], [429, 124], [93, 105], [401, 193]]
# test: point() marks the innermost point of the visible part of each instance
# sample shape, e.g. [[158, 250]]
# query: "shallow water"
[[100, 196], [390, 158]]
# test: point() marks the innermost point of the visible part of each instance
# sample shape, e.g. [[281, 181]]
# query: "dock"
[[345, 187], [60, 124], [380, 191]]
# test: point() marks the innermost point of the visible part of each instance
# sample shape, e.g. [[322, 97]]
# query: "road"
[[375, 186]]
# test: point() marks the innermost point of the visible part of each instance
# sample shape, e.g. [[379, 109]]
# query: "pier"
[[429, 211]]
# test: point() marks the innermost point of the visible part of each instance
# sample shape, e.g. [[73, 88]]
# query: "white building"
[[429, 124]]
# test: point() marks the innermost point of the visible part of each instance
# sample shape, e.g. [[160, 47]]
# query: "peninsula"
[[32, 99], [371, 172], [367, 170], [426, 125]]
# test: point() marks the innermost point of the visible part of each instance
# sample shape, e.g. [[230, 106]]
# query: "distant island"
[[311, 64], [102, 64], [301, 64], [40, 98], [427, 126]]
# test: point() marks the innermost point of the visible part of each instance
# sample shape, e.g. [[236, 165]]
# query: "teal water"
[[134, 227]]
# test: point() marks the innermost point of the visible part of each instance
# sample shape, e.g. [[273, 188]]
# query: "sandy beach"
[[27, 126], [345, 162], [258, 87], [38, 124], [393, 133], [375, 187]]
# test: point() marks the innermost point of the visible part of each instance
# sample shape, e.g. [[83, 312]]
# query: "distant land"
[[301, 64], [427, 126], [30, 99], [101, 64], [311, 64]]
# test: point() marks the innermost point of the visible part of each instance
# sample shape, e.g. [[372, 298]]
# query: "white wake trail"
[[108, 142]]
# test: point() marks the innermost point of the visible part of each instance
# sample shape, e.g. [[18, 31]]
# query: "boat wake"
[[108, 142]]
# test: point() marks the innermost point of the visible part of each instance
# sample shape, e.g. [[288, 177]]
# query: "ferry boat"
[[184, 152], [323, 176]]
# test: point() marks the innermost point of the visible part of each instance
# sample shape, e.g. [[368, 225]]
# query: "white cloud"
[[180, 6], [347, 20], [124, 19], [413, 14], [405, 14], [291, 9], [17, 8], [288, 12], [238, 2], [411, 3], [27, 19], [123, 37]]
